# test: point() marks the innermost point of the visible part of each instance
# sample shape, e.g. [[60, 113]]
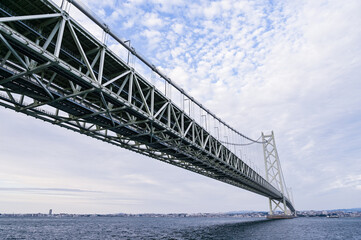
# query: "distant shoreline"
[[354, 212]]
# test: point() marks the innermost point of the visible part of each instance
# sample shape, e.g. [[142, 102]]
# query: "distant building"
[[50, 211]]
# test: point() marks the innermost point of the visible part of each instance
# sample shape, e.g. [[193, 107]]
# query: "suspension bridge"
[[52, 68]]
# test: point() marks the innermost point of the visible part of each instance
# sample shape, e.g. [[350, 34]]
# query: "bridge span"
[[54, 69]]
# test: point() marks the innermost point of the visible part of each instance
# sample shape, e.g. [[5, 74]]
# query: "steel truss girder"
[[122, 109]]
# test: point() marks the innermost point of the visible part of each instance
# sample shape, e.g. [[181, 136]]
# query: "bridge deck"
[[53, 69]]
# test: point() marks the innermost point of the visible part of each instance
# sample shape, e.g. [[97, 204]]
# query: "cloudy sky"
[[293, 67]]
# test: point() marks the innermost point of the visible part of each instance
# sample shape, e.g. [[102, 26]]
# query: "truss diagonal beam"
[[81, 50]]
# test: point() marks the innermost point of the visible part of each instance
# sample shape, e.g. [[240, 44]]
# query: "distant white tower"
[[50, 211]]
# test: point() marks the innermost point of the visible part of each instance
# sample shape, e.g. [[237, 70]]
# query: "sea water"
[[178, 228]]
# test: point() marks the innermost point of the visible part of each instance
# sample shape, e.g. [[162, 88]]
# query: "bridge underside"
[[53, 69]]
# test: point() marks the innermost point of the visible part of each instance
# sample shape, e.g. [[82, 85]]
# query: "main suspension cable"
[[244, 144]]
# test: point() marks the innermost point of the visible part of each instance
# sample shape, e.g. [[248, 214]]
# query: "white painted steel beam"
[[29, 17]]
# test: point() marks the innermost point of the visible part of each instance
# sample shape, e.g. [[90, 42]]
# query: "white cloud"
[[152, 20], [349, 181]]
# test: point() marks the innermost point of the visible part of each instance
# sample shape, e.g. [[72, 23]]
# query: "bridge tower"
[[274, 175]]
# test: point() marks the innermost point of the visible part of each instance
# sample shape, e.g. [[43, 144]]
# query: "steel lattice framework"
[[53, 69], [274, 173]]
